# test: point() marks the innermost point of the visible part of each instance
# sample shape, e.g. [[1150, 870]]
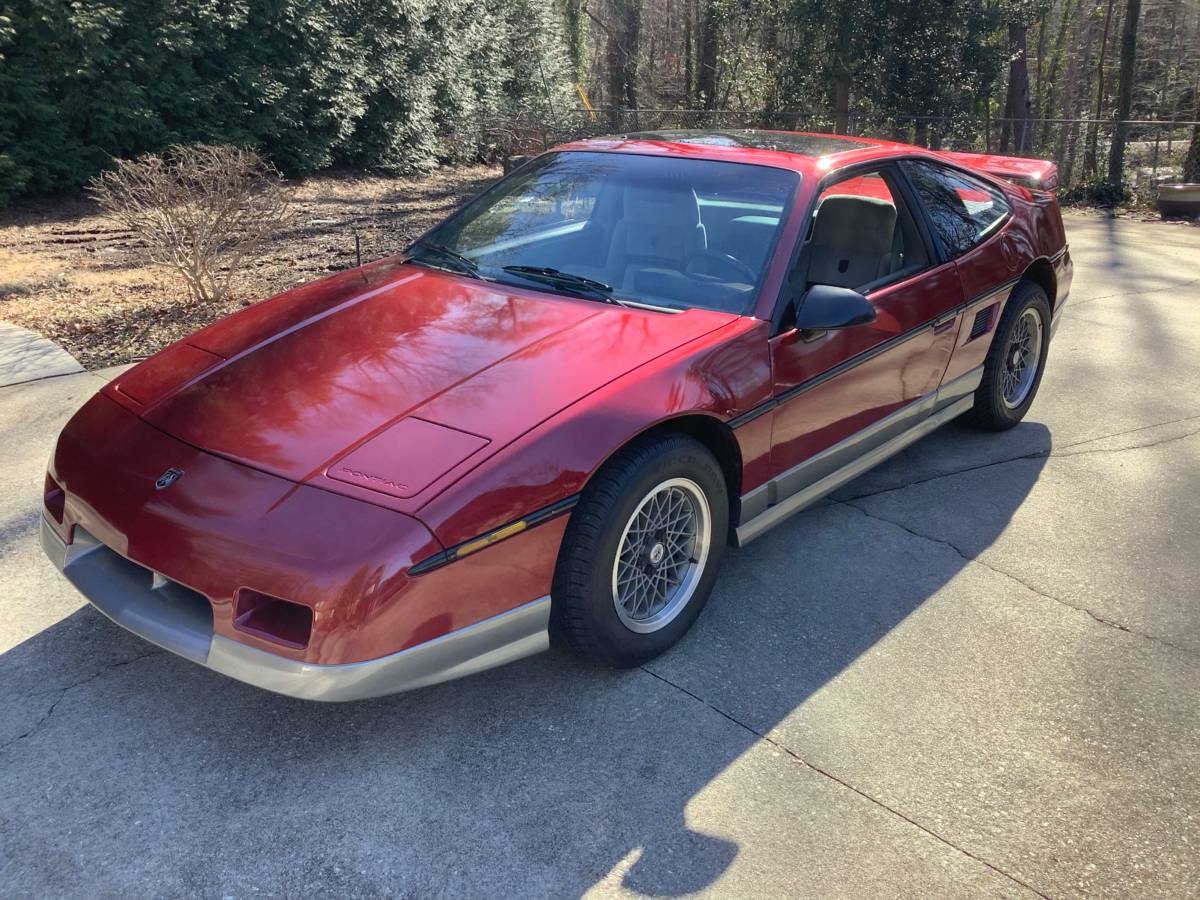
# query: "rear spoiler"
[[1039, 174]]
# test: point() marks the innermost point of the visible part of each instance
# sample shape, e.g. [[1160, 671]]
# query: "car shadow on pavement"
[[544, 777]]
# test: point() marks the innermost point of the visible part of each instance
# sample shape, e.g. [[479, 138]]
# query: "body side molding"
[[809, 481], [866, 355]]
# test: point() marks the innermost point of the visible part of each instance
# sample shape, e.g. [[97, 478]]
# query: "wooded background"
[[404, 85]]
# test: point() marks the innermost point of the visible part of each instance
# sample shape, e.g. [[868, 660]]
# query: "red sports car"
[[548, 417]]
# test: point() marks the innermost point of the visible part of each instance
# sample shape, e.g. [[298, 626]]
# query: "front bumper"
[[180, 620]]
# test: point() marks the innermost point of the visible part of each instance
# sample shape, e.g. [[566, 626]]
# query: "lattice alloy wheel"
[[1021, 358], [641, 551], [1016, 359], [661, 555]]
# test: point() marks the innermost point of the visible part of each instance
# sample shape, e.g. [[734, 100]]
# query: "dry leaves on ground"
[[70, 273]]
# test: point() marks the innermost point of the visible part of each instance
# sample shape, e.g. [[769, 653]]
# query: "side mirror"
[[824, 307]]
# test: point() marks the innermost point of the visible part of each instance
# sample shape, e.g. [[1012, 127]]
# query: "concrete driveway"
[[975, 672]]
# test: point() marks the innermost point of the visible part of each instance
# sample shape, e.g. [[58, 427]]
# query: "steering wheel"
[[707, 259]]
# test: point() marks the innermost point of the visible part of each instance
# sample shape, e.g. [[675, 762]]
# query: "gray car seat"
[[852, 242], [659, 230]]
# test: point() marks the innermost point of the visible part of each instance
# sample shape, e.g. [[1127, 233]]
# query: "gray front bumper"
[[180, 620]]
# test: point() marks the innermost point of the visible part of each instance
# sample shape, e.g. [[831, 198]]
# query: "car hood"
[[386, 379]]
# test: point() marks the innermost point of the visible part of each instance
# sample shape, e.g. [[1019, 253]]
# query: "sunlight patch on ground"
[[15, 633]]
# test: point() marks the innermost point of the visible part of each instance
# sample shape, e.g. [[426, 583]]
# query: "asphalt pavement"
[[975, 671]]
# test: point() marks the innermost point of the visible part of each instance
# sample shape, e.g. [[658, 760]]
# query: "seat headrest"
[[857, 224], [662, 206]]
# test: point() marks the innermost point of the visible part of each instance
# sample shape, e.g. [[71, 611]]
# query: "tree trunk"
[[770, 50], [689, 41], [1018, 105], [987, 123], [621, 52], [709, 47], [1191, 162], [839, 91], [1093, 134], [1047, 93], [920, 132], [576, 26], [1165, 90], [1006, 121], [1116, 157], [1078, 59], [1040, 69]]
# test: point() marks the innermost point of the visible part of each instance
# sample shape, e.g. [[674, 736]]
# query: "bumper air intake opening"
[[273, 619], [55, 499], [156, 608]]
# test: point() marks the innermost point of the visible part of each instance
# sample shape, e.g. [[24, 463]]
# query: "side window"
[[861, 235], [964, 210]]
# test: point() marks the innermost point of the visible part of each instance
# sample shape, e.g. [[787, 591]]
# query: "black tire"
[[583, 614], [991, 412]]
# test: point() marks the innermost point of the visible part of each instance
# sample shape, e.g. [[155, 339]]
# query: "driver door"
[[852, 389]]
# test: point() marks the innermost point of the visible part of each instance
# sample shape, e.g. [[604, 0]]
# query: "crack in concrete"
[[1103, 437], [1037, 454], [63, 691], [1047, 454], [1160, 442], [1171, 287], [975, 560], [40, 378], [846, 784]]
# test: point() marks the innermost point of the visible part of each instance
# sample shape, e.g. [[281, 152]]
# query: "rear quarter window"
[[965, 211]]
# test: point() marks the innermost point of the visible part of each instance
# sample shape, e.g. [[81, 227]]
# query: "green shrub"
[[1097, 192], [398, 85]]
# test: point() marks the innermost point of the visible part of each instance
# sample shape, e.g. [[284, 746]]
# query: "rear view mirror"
[[824, 307]]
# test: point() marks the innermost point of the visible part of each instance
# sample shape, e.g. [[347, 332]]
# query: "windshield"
[[653, 230]]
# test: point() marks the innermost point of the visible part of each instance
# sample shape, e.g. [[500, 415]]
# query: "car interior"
[[860, 237], [663, 244], [686, 242], [687, 234]]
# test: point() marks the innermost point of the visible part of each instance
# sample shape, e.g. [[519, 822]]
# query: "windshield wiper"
[[463, 264], [567, 281]]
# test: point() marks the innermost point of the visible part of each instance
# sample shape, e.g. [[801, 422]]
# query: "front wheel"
[[641, 551], [1015, 362]]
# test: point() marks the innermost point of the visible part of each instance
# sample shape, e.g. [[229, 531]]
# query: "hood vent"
[[406, 458]]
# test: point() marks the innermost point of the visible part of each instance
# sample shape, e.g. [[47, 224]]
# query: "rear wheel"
[[640, 554], [1013, 369]]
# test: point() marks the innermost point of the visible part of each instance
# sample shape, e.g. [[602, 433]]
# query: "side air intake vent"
[[982, 323]]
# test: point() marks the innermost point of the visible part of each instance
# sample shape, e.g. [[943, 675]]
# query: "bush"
[[1097, 191], [399, 85], [203, 211]]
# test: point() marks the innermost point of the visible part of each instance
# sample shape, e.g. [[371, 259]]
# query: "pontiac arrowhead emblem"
[[168, 478]]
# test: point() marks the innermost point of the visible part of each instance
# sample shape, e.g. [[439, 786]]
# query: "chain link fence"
[[1154, 148]]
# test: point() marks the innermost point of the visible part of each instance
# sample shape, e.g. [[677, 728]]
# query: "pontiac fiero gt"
[[549, 416]]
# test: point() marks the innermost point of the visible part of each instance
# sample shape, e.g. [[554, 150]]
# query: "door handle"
[[943, 325]]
